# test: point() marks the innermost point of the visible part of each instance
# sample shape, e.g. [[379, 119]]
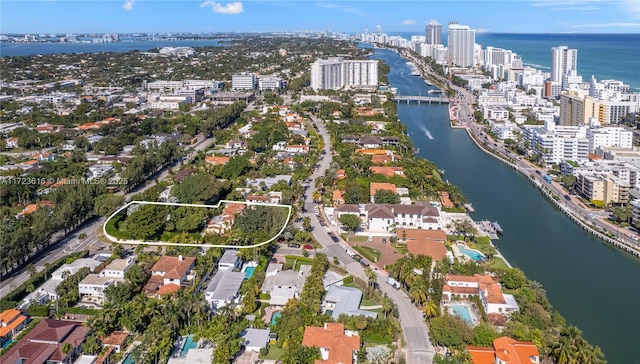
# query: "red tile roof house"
[[505, 350], [44, 343], [11, 322], [337, 346], [169, 274]]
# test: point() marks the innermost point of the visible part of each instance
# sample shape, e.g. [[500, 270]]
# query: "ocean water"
[[605, 56]]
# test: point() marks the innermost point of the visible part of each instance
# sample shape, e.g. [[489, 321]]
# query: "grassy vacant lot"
[[498, 263], [370, 254]]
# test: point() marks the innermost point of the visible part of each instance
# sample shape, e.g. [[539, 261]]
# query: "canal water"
[[594, 286]]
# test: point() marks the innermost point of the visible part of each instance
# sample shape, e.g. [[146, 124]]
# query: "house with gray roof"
[[255, 339], [266, 183], [224, 289], [345, 300], [284, 285]]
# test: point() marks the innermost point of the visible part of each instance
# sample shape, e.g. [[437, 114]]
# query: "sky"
[[496, 16]]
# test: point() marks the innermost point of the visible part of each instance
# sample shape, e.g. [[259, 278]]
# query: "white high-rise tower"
[[563, 60], [433, 32], [460, 44]]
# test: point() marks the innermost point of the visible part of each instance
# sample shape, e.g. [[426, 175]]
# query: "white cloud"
[[408, 22], [128, 5], [345, 8], [632, 7], [228, 8]]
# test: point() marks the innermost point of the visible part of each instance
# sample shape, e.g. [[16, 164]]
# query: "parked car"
[[322, 223], [384, 240], [293, 245], [334, 238], [356, 257], [308, 247]]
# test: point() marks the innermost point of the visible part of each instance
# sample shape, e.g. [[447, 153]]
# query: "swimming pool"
[[248, 272], [188, 344], [475, 255], [7, 343], [128, 359], [462, 312], [275, 316]]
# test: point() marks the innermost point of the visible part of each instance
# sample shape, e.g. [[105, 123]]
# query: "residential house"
[[236, 144], [336, 344], [337, 197], [489, 291], [297, 149], [370, 142], [47, 128], [341, 174], [445, 200], [229, 260], [217, 161], [222, 223], [11, 322], [387, 171], [345, 300], [169, 274], [47, 291], [266, 183], [224, 288], [11, 143], [44, 343], [117, 340], [283, 285], [374, 187], [386, 217], [424, 242], [255, 339], [94, 284], [350, 139], [505, 350], [31, 208]]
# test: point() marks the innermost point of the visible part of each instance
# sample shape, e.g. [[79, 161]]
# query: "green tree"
[[350, 222], [386, 197], [513, 278], [106, 204]]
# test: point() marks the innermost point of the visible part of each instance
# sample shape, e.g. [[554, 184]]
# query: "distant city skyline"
[[136, 16]]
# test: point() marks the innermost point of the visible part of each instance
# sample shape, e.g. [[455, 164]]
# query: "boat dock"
[[469, 207], [491, 228]]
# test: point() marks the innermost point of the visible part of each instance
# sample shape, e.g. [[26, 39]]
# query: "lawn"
[[368, 303], [401, 248], [498, 263], [357, 238], [298, 262], [370, 254], [275, 353]]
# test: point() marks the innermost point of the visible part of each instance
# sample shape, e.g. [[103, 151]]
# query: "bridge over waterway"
[[421, 99]]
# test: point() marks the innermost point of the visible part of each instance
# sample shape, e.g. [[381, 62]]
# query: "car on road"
[[293, 245], [334, 238], [308, 247], [322, 223], [356, 257]]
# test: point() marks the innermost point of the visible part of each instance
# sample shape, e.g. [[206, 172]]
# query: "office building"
[[335, 73], [433, 32], [460, 43], [563, 60], [243, 81]]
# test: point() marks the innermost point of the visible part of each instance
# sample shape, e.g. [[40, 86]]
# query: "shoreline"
[[574, 216]]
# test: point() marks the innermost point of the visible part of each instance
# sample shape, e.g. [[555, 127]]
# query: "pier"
[[421, 99]]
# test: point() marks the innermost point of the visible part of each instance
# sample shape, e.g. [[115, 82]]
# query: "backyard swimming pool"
[[248, 272], [128, 359], [473, 254], [275, 316], [462, 312], [188, 344]]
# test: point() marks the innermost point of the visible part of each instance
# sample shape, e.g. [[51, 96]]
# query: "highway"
[[418, 347]]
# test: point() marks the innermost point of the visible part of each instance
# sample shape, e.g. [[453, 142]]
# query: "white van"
[[395, 284]]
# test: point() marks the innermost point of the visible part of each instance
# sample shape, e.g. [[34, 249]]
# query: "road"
[[418, 347], [92, 229]]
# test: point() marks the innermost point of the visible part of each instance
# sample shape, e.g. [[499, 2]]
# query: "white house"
[[255, 339], [345, 300], [229, 260], [490, 292], [95, 284], [224, 289]]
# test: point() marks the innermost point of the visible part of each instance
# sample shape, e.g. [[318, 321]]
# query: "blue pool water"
[[188, 344], [471, 253], [128, 359], [7, 343], [275, 316], [462, 312], [248, 272]]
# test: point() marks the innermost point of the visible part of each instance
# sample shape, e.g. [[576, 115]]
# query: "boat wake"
[[427, 133]]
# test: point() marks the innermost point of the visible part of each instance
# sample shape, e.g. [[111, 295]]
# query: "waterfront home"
[[45, 342], [336, 344], [11, 322], [482, 285], [116, 340], [169, 274], [505, 350], [387, 171], [385, 217], [345, 300]]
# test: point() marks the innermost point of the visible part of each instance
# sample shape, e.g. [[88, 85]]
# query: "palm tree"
[[430, 309], [418, 293], [563, 352], [387, 305]]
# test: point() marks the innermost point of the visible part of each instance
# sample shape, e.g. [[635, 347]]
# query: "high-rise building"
[[433, 32], [243, 81], [563, 60], [460, 43], [336, 72]]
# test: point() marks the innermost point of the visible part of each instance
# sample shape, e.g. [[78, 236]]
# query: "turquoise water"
[[275, 316], [462, 312], [188, 344], [7, 343], [248, 272], [128, 359], [471, 253]]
